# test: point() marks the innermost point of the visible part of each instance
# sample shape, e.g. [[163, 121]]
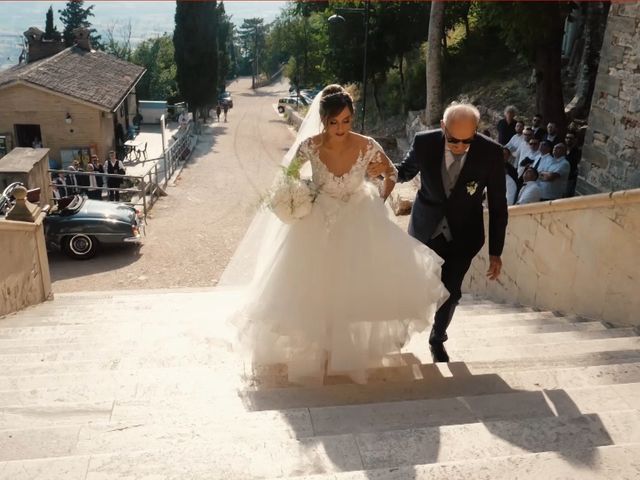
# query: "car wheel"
[[80, 246], [280, 109]]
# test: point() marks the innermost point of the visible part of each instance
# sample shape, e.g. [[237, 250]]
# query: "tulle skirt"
[[338, 291]]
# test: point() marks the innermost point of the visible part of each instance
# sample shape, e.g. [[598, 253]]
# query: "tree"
[[434, 64], [252, 37], [225, 44], [119, 47], [159, 82], [75, 15], [50, 30], [535, 29], [196, 53]]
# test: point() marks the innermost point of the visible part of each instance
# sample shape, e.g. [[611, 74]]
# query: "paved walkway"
[[193, 232]]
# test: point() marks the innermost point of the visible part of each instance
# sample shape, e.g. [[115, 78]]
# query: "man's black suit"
[[483, 168]]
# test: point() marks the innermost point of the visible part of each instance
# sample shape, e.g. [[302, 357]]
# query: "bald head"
[[460, 124], [461, 112], [560, 150]]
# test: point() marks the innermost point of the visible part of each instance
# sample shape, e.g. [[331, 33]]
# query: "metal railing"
[[177, 152], [137, 190]]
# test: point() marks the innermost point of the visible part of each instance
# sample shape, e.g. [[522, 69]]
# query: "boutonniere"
[[472, 187]]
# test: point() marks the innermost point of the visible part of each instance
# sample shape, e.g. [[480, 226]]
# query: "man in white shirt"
[[517, 141], [530, 191], [531, 152], [545, 154], [554, 173]]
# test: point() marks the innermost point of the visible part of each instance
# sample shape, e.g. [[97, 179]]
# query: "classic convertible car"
[[80, 227]]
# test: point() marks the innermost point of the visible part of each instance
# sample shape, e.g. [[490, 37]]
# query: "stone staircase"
[[144, 385]]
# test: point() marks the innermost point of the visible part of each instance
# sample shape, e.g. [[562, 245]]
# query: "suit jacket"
[[483, 167]]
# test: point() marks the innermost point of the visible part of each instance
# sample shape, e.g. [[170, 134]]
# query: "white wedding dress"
[[344, 287]]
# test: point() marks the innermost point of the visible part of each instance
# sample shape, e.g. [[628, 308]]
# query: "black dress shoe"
[[439, 353]]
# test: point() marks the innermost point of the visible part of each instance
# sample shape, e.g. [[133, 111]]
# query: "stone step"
[[202, 314], [144, 451], [221, 386], [536, 339], [94, 343], [138, 327], [169, 342], [528, 328], [619, 462], [491, 353], [219, 355], [332, 420]]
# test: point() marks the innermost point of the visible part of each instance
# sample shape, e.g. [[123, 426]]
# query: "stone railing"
[[576, 256], [24, 269]]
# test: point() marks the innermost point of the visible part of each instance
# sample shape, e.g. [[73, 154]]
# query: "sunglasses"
[[454, 140]]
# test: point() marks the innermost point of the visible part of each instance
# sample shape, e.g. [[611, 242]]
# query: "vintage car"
[[80, 227]]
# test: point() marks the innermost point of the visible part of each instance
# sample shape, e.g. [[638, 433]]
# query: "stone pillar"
[[611, 152]]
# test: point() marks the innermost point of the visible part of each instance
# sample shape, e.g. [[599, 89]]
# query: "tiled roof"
[[95, 77]]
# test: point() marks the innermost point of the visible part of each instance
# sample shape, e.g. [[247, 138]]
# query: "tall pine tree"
[[225, 45], [50, 30], [196, 53], [75, 15]]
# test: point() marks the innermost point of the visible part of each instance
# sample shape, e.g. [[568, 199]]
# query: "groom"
[[456, 164]]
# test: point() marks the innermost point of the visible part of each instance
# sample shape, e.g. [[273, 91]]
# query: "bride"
[[341, 289]]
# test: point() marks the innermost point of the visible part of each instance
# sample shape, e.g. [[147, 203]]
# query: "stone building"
[[70, 100], [611, 154]]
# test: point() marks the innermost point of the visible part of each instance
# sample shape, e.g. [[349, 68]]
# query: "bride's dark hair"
[[333, 100]]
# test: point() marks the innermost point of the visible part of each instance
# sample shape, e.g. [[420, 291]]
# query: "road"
[[192, 233]]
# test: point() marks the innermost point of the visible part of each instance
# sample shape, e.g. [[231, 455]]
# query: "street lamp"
[[336, 19]]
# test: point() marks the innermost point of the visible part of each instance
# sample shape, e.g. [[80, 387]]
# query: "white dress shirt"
[[530, 193]]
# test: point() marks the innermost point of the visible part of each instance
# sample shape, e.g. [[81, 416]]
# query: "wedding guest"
[[507, 125], [545, 154], [511, 177], [574, 155], [516, 143], [98, 168], [71, 180], [554, 173], [552, 134], [525, 148], [530, 191], [532, 156], [114, 167], [60, 186], [536, 124], [82, 180], [93, 192]]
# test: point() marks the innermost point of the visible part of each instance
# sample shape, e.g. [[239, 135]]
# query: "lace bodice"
[[343, 186]]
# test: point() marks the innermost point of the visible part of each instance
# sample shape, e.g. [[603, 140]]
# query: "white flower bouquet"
[[291, 198]]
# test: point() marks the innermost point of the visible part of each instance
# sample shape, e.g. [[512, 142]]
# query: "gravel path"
[[192, 233]]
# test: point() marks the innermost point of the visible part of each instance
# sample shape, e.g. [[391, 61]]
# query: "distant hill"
[[148, 19]]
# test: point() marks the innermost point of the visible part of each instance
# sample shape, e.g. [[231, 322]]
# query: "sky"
[[148, 18]]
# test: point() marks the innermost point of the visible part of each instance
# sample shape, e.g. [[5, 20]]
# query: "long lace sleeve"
[[378, 155]]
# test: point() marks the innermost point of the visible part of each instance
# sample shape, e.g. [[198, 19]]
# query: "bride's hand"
[[387, 188], [376, 168]]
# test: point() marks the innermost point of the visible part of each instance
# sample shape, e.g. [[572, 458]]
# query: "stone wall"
[[612, 144], [24, 270], [577, 256]]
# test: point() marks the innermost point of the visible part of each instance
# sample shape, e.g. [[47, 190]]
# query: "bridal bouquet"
[[291, 198]]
